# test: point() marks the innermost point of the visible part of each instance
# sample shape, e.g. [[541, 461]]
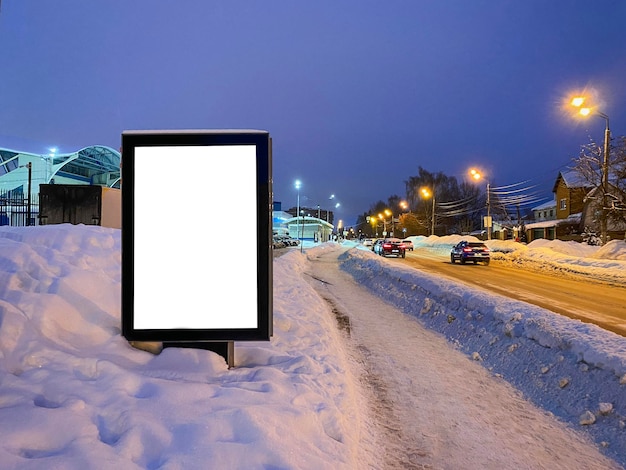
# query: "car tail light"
[[467, 249], [386, 245]]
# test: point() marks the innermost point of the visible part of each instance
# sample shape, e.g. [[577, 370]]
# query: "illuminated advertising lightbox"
[[196, 235]]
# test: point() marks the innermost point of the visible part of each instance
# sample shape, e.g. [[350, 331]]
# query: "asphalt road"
[[577, 297], [426, 404]]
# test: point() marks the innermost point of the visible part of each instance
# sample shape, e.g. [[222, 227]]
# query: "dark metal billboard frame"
[[191, 337]]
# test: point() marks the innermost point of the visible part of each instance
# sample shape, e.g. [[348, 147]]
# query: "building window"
[[563, 204], [551, 212]]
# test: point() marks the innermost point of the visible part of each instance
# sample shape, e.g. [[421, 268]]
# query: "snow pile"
[[567, 367], [75, 395]]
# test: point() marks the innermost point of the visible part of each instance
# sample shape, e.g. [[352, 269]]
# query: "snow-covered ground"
[[74, 394]]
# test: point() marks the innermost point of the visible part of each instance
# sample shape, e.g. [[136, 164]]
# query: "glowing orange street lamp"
[[372, 220], [580, 102], [476, 175], [426, 193]]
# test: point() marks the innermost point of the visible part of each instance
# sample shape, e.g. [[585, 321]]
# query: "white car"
[[408, 245], [368, 242]]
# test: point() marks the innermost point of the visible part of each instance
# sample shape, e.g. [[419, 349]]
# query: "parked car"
[[377, 246], [291, 241], [408, 244], [392, 246], [277, 242], [368, 242], [470, 251]]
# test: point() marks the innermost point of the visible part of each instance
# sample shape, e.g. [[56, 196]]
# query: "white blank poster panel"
[[191, 268]]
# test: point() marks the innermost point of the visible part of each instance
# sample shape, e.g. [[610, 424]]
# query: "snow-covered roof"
[[572, 219], [572, 179], [308, 220], [546, 205]]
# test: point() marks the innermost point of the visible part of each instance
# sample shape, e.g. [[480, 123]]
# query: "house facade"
[[573, 209], [569, 194]]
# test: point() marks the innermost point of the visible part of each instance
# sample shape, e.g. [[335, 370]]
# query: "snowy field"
[[75, 395]]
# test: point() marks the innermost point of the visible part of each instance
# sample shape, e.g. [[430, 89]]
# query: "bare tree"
[[589, 165]]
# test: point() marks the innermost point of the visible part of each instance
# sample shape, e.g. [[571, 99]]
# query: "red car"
[[392, 246]]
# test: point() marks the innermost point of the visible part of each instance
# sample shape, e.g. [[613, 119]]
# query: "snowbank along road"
[[432, 404]]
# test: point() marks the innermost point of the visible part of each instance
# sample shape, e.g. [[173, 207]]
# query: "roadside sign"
[[163, 300]]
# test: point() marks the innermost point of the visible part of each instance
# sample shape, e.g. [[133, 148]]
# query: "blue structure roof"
[[95, 164]]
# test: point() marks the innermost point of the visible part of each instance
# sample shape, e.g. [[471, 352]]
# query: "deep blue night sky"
[[355, 94]]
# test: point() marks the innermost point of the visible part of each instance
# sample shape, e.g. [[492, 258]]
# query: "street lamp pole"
[[579, 102], [489, 211], [489, 223], [390, 214], [605, 179], [431, 193], [302, 238], [381, 217], [297, 185], [432, 226]]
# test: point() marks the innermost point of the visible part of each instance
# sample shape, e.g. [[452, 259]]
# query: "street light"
[[50, 162], [301, 238], [372, 220], [426, 193], [298, 184], [584, 110], [381, 217], [389, 214], [476, 175]]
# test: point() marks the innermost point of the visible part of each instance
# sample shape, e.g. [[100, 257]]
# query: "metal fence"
[[17, 210]]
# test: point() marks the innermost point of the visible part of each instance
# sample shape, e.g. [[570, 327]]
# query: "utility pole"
[[489, 222], [432, 226], [605, 181]]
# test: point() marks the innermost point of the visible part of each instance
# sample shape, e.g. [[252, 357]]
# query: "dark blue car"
[[470, 251]]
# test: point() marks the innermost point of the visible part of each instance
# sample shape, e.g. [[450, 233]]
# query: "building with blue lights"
[[22, 173]]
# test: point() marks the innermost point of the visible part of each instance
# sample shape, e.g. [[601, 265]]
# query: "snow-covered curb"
[[572, 369]]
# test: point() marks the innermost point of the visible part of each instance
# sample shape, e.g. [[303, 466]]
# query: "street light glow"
[[584, 109], [298, 184], [478, 176], [587, 111]]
